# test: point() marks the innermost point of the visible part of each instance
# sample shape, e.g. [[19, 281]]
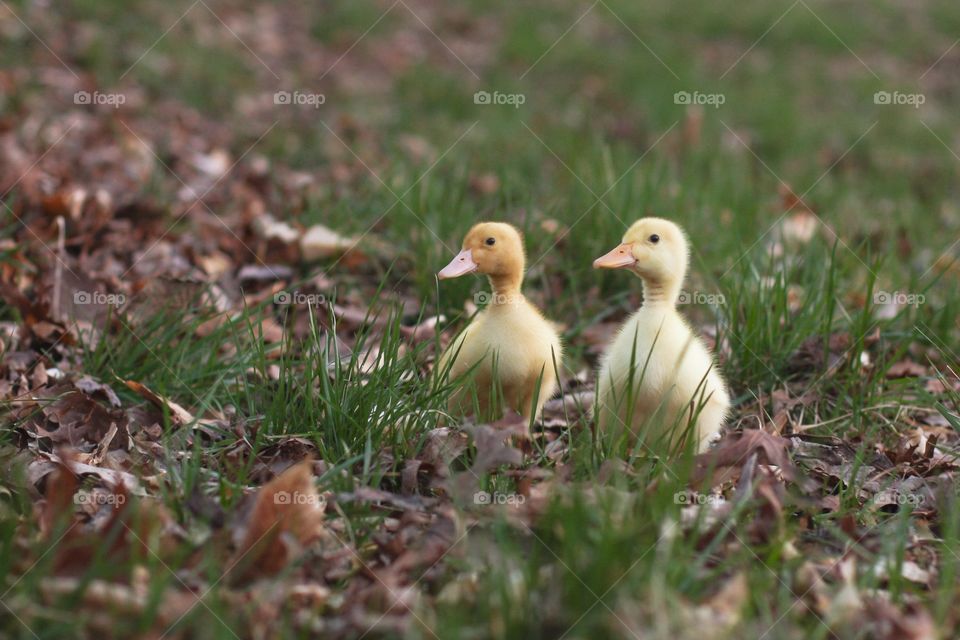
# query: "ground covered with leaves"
[[220, 415]]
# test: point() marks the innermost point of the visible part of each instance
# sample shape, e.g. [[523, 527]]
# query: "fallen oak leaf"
[[72, 416], [321, 242], [126, 532], [492, 441], [269, 228], [98, 454], [910, 622], [493, 446], [734, 450], [90, 387], [36, 316], [441, 446], [178, 415], [108, 476], [423, 331], [287, 512], [392, 586], [61, 486], [443, 533], [906, 369]]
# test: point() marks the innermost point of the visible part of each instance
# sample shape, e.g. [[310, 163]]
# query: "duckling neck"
[[506, 288], [659, 295]]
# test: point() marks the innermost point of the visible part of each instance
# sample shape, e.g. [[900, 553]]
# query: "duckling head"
[[656, 250], [494, 249]]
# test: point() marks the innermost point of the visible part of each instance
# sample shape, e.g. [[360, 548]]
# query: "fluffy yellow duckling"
[[515, 346], [674, 376]]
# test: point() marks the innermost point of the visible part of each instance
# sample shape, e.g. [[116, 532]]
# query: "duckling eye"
[[654, 238], [491, 241]]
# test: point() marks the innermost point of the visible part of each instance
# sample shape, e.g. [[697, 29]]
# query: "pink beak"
[[622, 256], [461, 265]]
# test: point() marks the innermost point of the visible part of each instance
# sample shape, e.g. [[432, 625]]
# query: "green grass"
[[603, 560]]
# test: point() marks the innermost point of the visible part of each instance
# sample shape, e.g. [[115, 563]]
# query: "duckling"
[[512, 345], [676, 383]]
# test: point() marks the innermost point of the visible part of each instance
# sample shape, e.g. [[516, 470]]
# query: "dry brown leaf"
[[727, 604], [322, 242], [61, 485], [129, 528], [287, 513], [74, 417], [269, 228], [888, 622], [179, 415], [90, 387], [906, 369], [735, 449]]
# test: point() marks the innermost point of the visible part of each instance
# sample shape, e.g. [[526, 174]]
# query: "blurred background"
[[401, 123]]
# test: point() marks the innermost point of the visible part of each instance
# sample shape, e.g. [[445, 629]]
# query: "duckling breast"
[[656, 354], [517, 344]]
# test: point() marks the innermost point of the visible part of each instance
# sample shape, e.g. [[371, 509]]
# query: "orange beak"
[[620, 257], [461, 264]]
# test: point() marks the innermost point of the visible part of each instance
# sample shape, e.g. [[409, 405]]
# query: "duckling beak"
[[620, 257], [461, 265]]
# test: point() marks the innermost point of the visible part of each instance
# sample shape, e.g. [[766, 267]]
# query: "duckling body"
[[513, 348], [657, 378]]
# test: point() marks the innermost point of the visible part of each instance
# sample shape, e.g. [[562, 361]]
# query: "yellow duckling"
[[516, 347], [675, 381]]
